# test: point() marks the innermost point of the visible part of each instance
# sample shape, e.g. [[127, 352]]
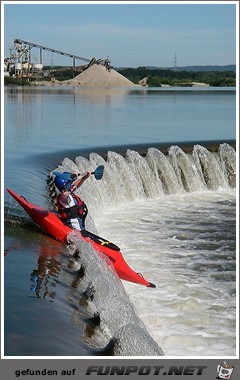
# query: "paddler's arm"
[[80, 181]]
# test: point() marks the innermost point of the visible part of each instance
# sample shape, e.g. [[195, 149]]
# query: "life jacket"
[[79, 210]]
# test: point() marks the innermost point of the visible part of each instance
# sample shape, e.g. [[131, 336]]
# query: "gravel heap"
[[99, 76]]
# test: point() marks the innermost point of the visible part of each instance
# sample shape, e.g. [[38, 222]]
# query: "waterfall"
[[149, 178], [153, 175]]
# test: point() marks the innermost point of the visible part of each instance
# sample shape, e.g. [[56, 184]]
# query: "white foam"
[[174, 218]]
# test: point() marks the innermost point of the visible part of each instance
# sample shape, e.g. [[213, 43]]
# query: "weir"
[[155, 174], [128, 178]]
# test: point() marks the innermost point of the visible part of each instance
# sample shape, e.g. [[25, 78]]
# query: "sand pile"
[[99, 76]]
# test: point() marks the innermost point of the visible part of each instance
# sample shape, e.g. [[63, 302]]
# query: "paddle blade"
[[98, 173]]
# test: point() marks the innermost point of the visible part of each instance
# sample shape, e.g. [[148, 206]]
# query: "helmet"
[[60, 183]]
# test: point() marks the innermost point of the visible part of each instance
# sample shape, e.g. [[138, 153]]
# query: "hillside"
[[158, 77]]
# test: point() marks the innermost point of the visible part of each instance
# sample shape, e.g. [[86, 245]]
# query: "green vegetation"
[[157, 77], [15, 81]]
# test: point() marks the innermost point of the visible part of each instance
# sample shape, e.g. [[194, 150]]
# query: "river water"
[[172, 211]]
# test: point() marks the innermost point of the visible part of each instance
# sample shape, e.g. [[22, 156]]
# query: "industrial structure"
[[175, 62], [20, 63]]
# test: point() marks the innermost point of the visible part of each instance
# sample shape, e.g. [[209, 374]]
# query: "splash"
[[145, 178], [130, 177]]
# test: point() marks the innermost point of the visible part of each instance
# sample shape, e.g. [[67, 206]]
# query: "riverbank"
[[100, 76]]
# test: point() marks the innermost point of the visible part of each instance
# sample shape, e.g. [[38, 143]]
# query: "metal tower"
[[175, 62]]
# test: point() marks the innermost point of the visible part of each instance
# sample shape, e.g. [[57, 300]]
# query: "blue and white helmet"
[[60, 183]]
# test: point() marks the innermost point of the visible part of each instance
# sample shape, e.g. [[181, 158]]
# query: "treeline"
[[155, 77], [15, 81], [158, 77]]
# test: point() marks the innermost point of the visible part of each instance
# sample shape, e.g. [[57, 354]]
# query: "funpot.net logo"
[[145, 370]]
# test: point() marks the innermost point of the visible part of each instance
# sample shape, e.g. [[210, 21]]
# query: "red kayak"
[[53, 226]]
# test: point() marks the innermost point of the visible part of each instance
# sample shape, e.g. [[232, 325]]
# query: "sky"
[[130, 34]]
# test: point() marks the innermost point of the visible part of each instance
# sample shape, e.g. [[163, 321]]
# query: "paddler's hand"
[[76, 174], [80, 181]]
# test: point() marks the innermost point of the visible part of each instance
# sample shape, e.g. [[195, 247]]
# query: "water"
[[173, 217], [187, 249]]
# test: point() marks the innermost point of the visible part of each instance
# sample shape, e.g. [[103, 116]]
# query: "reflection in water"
[[27, 107], [34, 95], [44, 280], [105, 96], [46, 274]]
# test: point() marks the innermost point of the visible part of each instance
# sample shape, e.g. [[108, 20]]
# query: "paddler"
[[72, 210]]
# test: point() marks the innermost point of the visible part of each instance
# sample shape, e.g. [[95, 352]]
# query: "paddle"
[[98, 173]]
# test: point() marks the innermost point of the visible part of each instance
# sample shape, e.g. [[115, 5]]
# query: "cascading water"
[[173, 216], [135, 177]]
